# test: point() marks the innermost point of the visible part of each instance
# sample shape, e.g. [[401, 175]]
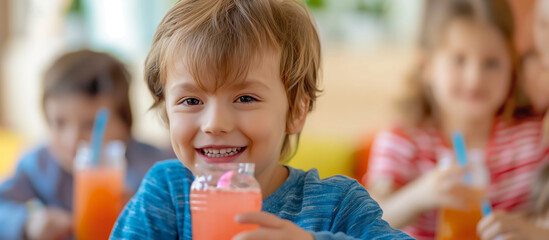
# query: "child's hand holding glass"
[[509, 226], [442, 188], [270, 227]]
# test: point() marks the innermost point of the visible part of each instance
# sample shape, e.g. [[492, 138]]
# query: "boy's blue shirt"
[[39, 176], [332, 208]]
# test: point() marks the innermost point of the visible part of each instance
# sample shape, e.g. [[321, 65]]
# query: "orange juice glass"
[[98, 193], [454, 224], [219, 193], [462, 223]]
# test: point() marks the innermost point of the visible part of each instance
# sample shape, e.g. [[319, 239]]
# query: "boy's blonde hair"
[[218, 39]]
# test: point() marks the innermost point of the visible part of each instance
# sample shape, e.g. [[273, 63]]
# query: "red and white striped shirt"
[[513, 154]]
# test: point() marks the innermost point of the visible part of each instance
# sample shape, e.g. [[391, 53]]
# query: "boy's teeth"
[[225, 152]]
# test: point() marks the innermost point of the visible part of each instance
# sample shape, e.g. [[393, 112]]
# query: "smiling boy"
[[234, 81]]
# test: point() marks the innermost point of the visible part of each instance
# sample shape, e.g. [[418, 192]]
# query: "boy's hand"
[[48, 224], [270, 227], [507, 226]]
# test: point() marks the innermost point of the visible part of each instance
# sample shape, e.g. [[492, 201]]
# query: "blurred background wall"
[[368, 46]]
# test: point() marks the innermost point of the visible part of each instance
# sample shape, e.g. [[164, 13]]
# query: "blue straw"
[[461, 154], [459, 148], [97, 135]]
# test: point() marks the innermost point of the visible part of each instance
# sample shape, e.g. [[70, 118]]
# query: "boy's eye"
[[190, 101], [246, 99]]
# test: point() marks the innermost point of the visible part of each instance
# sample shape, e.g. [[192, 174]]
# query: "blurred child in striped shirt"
[[465, 81]]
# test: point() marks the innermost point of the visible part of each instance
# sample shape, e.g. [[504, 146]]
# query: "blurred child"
[[506, 225], [240, 77], [465, 82], [36, 203], [534, 71]]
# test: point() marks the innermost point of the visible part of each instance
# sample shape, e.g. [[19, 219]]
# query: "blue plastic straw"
[[97, 135], [459, 148], [461, 154]]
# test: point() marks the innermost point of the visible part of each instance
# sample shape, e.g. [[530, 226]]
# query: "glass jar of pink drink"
[[219, 192]]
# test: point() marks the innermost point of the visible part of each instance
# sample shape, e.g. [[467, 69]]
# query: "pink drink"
[[213, 212], [219, 192]]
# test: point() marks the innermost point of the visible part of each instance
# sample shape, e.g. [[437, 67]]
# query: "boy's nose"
[[217, 119]]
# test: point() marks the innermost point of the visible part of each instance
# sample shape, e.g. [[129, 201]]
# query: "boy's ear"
[[296, 122]]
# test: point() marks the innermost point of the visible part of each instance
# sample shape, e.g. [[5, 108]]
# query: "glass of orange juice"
[[98, 191], [219, 192], [456, 224]]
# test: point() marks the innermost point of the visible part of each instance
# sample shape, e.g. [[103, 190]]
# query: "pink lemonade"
[[98, 199], [213, 212]]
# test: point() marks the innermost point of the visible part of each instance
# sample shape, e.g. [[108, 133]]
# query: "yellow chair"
[[329, 155], [11, 145]]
